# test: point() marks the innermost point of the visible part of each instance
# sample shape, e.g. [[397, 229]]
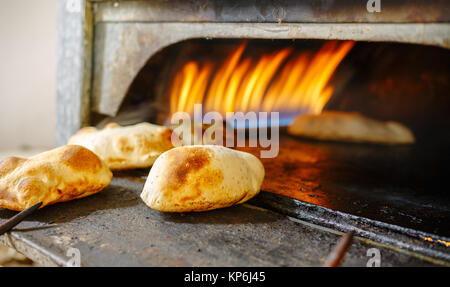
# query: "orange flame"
[[429, 239], [278, 81]]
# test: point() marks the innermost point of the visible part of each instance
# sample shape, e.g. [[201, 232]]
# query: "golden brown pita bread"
[[58, 175], [129, 147], [350, 127], [199, 178]]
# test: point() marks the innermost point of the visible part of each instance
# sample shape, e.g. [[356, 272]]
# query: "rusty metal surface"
[[115, 228], [401, 185], [328, 11], [122, 49], [389, 234]]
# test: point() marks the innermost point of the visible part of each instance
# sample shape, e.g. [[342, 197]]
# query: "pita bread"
[[129, 147], [350, 127], [200, 178], [58, 175]]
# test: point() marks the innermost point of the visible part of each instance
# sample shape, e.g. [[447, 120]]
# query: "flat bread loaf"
[[58, 175], [350, 127], [129, 147], [200, 178]]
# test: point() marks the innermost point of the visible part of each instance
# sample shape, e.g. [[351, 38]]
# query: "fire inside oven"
[[409, 84]]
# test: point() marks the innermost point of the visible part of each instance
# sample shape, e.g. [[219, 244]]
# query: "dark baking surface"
[[391, 196], [115, 228], [402, 185]]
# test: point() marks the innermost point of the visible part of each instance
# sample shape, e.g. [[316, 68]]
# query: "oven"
[[134, 61]]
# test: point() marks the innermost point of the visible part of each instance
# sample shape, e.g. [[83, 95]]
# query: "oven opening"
[[406, 83], [279, 79]]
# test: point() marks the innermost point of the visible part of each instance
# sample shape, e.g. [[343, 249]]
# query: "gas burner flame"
[[284, 81]]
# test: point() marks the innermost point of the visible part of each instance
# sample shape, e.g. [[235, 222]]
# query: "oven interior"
[[398, 184]]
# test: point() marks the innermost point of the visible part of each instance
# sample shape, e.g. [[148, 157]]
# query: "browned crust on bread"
[[350, 127], [62, 174], [200, 178], [126, 147], [9, 164], [81, 159], [185, 163]]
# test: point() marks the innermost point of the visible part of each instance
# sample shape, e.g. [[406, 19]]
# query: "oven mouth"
[[385, 81], [244, 79]]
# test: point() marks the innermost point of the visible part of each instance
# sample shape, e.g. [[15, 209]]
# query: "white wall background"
[[27, 73]]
